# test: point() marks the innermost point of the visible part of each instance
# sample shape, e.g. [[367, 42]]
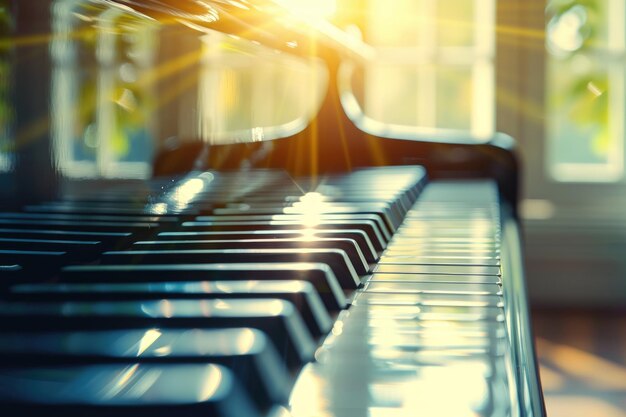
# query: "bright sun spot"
[[322, 9]]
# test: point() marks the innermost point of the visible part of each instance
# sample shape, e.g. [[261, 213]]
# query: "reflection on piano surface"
[[193, 223]]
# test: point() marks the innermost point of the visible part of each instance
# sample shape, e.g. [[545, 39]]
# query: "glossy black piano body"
[[319, 267]]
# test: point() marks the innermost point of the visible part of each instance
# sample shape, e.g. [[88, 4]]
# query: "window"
[[435, 66], [102, 123], [585, 42]]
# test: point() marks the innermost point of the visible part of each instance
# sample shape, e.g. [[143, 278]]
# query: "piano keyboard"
[[374, 293]]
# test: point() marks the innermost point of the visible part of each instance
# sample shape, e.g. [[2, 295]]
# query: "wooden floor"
[[582, 357]]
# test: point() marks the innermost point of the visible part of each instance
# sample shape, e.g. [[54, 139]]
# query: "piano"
[[199, 219]]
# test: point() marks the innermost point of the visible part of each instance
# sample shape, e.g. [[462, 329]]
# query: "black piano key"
[[378, 221], [10, 272], [390, 217], [99, 197], [184, 390], [359, 194], [277, 318], [6, 268], [84, 217], [387, 214], [301, 294], [103, 197], [359, 236], [347, 245], [336, 259], [108, 210], [76, 249], [246, 352], [45, 244], [134, 191], [109, 239], [82, 226], [367, 226], [319, 275], [37, 263], [28, 255]]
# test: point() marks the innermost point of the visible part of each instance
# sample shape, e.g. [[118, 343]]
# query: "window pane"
[[397, 25], [455, 22], [392, 84], [454, 97], [578, 112]]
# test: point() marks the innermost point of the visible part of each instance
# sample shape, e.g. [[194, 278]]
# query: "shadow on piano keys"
[[341, 271]]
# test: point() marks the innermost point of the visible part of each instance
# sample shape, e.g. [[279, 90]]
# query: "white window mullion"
[[483, 74], [617, 75], [616, 121], [485, 28], [426, 74], [483, 103]]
